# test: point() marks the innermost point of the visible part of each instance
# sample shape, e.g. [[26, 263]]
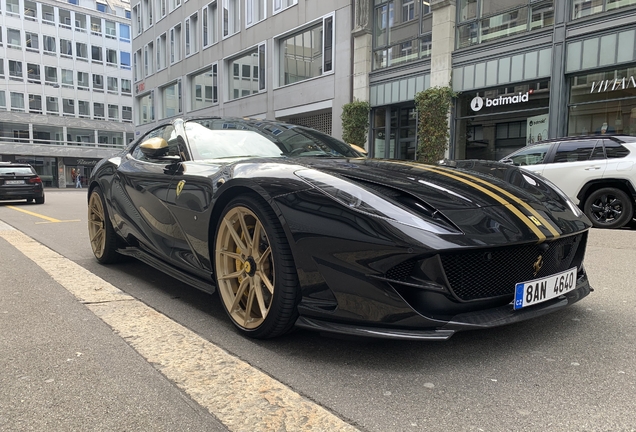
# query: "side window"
[[614, 150], [573, 151], [598, 153], [531, 155]]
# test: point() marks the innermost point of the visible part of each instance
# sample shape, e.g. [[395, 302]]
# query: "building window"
[[97, 54], [67, 78], [111, 57], [210, 20], [101, 7], [96, 26], [52, 105], [583, 8], [482, 21], [81, 51], [15, 70], [124, 60], [35, 104], [126, 86], [50, 75], [126, 114], [98, 111], [66, 48], [191, 34], [162, 8], [148, 59], [280, 5], [3, 101], [124, 32], [17, 101], [254, 11], [231, 17], [204, 88], [65, 18], [111, 32], [161, 52], [48, 14], [136, 66], [80, 22], [32, 41], [82, 81], [68, 107], [136, 20], [33, 73], [49, 44], [13, 39], [113, 84], [244, 83], [401, 36], [113, 112], [175, 44], [171, 96], [147, 10], [306, 54], [84, 109], [13, 7], [146, 110], [30, 11], [98, 82]]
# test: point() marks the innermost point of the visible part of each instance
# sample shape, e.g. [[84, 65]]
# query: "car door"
[[575, 163], [140, 190]]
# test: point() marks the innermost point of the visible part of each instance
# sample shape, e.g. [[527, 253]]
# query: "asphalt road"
[[573, 370]]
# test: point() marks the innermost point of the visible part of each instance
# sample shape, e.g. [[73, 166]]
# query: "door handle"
[[592, 168]]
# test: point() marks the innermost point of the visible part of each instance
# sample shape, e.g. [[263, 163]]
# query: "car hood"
[[466, 193]]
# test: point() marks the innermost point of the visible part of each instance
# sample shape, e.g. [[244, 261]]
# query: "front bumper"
[[481, 319]]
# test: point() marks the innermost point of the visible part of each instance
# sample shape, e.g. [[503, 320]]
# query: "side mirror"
[[154, 148]]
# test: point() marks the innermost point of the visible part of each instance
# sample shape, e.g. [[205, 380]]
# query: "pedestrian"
[[78, 177]]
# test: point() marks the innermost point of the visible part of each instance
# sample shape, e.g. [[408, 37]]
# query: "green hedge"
[[432, 106]]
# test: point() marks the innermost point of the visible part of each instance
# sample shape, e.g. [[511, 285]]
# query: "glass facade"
[[393, 132], [603, 103], [583, 8]]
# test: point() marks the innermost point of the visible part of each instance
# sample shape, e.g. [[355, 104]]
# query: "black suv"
[[597, 172], [20, 181]]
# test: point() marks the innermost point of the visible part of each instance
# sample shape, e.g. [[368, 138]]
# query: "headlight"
[[361, 200]]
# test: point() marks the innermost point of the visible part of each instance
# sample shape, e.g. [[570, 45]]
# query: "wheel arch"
[[594, 185], [232, 191]]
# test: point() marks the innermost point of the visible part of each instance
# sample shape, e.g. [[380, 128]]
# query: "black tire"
[[100, 231], [40, 200], [609, 208], [257, 281]]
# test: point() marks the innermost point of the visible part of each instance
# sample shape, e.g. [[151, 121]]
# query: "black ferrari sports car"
[[295, 228]]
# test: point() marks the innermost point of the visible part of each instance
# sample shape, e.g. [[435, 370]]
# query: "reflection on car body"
[[295, 228]]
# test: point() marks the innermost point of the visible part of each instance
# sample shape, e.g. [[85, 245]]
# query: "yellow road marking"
[[46, 218], [242, 397], [59, 221]]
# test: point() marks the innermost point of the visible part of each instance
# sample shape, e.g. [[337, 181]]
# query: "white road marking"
[[239, 395]]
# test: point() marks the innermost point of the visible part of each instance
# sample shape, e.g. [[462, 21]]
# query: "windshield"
[[212, 139], [530, 155]]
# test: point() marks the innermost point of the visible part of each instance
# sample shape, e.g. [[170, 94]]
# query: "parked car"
[[20, 181], [295, 228], [598, 173]]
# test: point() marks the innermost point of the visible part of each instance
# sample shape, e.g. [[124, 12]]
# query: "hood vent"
[[406, 200]]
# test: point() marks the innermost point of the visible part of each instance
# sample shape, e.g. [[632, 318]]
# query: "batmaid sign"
[[478, 102]]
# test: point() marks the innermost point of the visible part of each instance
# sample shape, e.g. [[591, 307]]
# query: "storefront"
[[603, 102], [46, 167], [78, 168], [491, 123], [394, 131]]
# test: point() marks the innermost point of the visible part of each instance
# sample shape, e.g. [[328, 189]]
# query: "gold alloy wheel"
[[96, 224], [244, 267]]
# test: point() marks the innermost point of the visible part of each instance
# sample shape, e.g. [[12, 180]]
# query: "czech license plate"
[[540, 290], [13, 182]]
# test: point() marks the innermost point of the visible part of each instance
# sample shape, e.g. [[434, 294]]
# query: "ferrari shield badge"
[[180, 187]]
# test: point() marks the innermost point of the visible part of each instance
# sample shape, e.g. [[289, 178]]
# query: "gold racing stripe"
[[522, 217], [522, 203]]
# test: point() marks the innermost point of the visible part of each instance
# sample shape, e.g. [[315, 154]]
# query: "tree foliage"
[[432, 106], [355, 122]]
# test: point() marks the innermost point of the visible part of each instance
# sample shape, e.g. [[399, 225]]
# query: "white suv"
[[597, 172]]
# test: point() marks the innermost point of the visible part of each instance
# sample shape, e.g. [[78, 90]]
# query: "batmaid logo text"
[[478, 102]]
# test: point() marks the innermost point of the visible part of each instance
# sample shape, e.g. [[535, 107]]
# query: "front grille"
[[488, 273]]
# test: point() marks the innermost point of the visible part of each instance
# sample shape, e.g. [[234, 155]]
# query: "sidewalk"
[[63, 369]]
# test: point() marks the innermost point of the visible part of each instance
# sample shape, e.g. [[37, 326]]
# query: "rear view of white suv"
[[597, 172]]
